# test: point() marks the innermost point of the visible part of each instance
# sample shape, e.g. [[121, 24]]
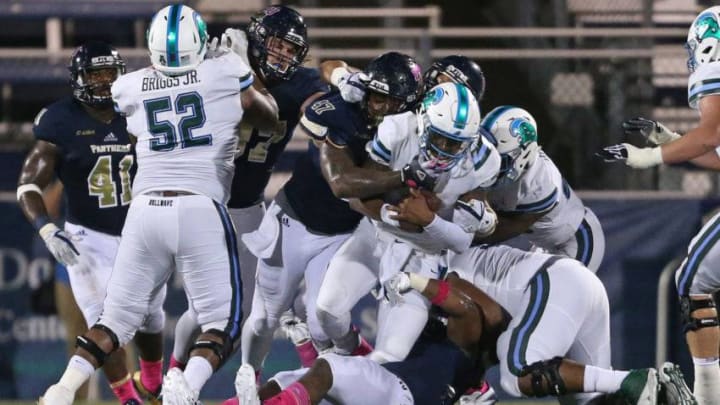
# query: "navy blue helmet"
[[396, 76], [91, 56], [279, 22], [459, 69]]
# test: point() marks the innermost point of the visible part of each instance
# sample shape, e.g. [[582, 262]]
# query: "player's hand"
[[396, 286], [352, 86], [59, 243], [418, 175], [475, 216], [653, 131], [414, 209], [215, 48], [637, 158], [236, 40]]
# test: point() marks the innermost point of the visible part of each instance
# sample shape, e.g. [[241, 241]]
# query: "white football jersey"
[[704, 81], [501, 271], [185, 125], [395, 145], [542, 189]]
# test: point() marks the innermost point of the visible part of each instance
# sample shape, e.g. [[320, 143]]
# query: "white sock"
[[186, 331], [77, 372], [603, 380], [197, 372], [707, 380]]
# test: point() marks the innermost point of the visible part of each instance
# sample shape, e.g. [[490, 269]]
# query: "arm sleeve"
[[538, 194], [44, 127]]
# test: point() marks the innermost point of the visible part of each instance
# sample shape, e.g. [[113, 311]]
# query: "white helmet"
[[449, 123], [177, 40], [514, 133], [703, 37]]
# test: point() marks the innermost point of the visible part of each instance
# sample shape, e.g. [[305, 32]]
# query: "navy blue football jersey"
[[95, 163], [259, 150], [344, 125], [453, 371]]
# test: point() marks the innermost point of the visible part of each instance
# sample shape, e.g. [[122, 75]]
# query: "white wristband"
[[418, 282], [385, 216], [337, 74], [28, 188]]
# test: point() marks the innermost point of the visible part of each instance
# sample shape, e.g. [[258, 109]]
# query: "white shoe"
[[176, 391], [245, 387], [294, 328], [57, 395]]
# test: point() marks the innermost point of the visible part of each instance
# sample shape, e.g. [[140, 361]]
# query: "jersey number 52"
[[165, 133]]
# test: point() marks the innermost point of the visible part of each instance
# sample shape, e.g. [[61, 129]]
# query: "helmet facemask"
[[93, 85], [448, 120]]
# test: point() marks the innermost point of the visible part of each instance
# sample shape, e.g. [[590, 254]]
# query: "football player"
[[455, 347], [558, 342], [308, 220], [84, 142], [183, 110], [353, 270], [698, 276], [278, 45], [531, 196]]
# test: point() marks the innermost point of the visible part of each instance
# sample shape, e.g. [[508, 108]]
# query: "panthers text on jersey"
[[258, 151], [177, 147], [95, 163], [397, 143], [344, 125]]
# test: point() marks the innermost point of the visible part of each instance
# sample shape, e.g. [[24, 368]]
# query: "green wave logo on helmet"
[[707, 27], [524, 130]]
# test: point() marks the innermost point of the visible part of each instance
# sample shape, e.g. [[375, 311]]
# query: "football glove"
[[418, 175], [637, 158], [653, 131], [215, 48], [236, 40], [475, 217], [352, 86], [59, 243], [396, 286]]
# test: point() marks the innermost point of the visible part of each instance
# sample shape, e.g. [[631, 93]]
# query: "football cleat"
[[640, 387], [152, 397], [674, 390], [175, 390], [245, 387], [57, 395]]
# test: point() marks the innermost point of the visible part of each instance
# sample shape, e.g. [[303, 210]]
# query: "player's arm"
[[710, 161], [261, 110], [347, 180], [702, 139], [328, 70], [36, 174], [510, 224]]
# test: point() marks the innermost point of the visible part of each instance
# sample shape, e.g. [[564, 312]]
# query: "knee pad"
[[92, 347], [546, 379], [688, 306], [221, 350]]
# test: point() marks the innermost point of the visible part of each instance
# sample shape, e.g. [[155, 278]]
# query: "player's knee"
[[99, 342], [542, 378], [219, 343], [698, 313]]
